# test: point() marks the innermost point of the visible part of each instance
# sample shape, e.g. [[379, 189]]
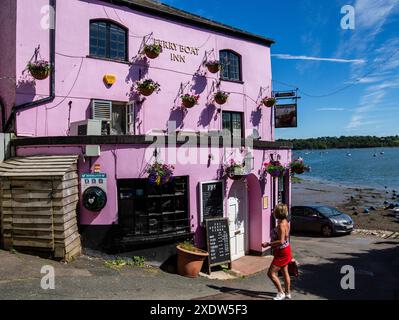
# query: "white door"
[[237, 224]]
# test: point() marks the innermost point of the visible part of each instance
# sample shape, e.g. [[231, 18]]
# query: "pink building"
[[88, 105]]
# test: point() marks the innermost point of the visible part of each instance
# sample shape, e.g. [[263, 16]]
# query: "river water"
[[371, 167]]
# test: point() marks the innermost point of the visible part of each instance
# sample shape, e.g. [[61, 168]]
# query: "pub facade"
[[152, 167]]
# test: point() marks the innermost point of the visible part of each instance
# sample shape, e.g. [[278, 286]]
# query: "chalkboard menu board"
[[218, 241], [212, 196]]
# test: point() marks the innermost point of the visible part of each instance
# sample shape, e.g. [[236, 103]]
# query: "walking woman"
[[281, 251]]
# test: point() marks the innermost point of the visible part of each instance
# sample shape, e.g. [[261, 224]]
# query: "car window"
[[329, 211], [297, 212], [309, 212]]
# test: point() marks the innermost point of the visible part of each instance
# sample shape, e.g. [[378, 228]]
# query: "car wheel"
[[326, 231]]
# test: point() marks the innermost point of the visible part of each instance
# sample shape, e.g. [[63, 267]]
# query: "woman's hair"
[[281, 212]]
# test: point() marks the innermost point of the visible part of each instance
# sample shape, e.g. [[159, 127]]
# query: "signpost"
[[218, 242]]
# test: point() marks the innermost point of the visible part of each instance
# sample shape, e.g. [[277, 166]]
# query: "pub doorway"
[[237, 210]]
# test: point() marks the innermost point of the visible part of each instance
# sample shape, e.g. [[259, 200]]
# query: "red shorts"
[[282, 257]]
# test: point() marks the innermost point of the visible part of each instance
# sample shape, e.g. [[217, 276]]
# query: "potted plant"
[[147, 87], [221, 97], [152, 51], [40, 69], [275, 169], [298, 166], [159, 173], [189, 259], [213, 66], [269, 102], [189, 100], [234, 170]]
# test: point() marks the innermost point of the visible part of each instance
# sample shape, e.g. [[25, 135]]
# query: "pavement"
[[375, 262]]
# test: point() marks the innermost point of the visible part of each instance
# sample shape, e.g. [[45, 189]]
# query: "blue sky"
[[315, 54]]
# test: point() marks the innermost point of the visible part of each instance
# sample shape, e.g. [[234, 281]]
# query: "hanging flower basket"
[[269, 102], [213, 66], [39, 70], [275, 169], [298, 166], [147, 87], [221, 97], [159, 173], [189, 100], [152, 51], [234, 170]]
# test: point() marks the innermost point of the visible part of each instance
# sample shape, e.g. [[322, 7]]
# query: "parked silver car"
[[322, 219]]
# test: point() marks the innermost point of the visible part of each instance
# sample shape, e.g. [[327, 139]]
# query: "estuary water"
[[371, 167]]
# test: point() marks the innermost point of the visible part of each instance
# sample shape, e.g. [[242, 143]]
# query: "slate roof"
[[166, 11]]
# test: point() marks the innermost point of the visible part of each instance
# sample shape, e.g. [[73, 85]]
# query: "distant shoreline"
[[348, 148], [340, 184], [359, 142]]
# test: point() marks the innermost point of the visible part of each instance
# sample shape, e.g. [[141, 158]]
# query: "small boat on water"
[[382, 153], [349, 154]]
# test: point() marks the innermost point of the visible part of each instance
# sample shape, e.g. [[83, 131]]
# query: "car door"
[[312, 219], [297, 221]]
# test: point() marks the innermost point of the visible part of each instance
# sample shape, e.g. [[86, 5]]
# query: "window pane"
[[226, 121], [224, 62], [117, 43], [236, 124], [118, 123], [107, 41], [230, 66]]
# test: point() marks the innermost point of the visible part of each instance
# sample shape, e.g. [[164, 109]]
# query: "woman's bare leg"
[[272, 273], [287, 279]]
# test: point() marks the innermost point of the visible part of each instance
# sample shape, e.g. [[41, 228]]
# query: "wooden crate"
[[38, 205]]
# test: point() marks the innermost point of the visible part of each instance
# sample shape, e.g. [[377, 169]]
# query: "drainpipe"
[[3, 114], [51, 96]]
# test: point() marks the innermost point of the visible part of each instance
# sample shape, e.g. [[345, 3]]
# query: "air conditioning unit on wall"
[[88, 127]]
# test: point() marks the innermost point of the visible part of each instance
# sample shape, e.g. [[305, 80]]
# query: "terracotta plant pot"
[[39, 73], [146, 91], [151, 54], [188, 104], [220, 100], [213, 68], [189, 263]]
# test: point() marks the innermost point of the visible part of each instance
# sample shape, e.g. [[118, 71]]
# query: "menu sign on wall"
[[218, 241], [212, 200]]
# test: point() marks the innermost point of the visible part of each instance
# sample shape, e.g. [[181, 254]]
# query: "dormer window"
[[230, 66], [108, 40]]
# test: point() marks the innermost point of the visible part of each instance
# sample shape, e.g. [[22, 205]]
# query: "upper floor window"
[[108, 40], [230, 65], [233, 124]]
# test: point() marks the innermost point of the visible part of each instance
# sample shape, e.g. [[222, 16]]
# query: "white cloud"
[[291, 57], [330, 109]]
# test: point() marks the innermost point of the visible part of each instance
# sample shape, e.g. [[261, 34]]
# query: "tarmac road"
[[375, 262]]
